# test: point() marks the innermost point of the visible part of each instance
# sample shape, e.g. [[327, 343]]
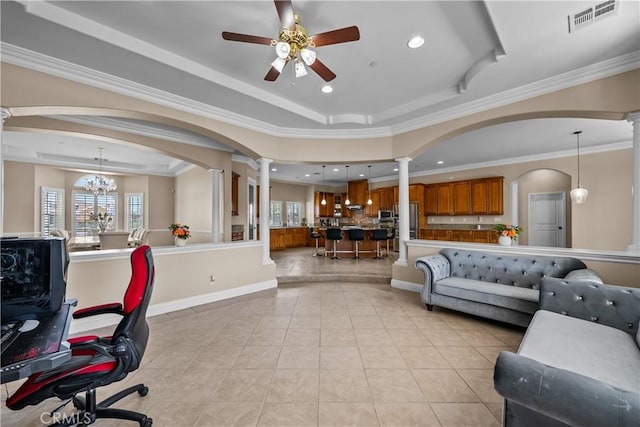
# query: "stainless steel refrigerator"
[[414, 223]]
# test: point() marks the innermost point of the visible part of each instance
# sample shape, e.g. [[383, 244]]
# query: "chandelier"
[[100, 185], [293, 45]]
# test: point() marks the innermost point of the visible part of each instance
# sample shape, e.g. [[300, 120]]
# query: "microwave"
[[385, 215]]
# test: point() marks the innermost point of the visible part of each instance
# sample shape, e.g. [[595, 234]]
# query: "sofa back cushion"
[[521, 271]]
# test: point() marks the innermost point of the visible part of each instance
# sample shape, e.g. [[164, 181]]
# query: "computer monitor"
[[32, 279]]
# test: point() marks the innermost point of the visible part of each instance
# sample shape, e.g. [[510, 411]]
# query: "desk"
[[93, 242], [40, 349]]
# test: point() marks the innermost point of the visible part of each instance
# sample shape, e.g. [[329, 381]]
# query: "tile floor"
[[314, 354]]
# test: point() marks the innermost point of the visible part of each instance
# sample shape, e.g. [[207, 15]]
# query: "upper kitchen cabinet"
[[358, 192], [482, 196], [325, 210], [386, 198]]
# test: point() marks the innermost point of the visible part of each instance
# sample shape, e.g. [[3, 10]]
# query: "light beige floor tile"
[[362, 310], [244, 385], [196, 386], [347, 414], [218, 356], [340, 358], [491, 353], [267, 337], [274, 322], [429, 323], [305, 321], [183, 415], [337, 337], [342, 385], [406, 415], [481, 382], [302, 337], [393, 385], [496, 410], [444, 337], [334, 321], [299, 357], [373, 337], [443, 385], [409, 337], [294, 385], [258, 357], [464, 414], [232, 336], [389, 310], [398, 322], [480, 337], [289, 414], [464, 358], [423, 358], [382, 358], [512, 338], [229, 414], [366, 322]]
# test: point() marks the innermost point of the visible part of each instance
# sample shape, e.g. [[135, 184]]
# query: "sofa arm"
[[563, 395], [610, 305], [434, 267], [584, 275]]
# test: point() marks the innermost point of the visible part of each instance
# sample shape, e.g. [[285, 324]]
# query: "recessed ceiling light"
[[361, 174], [395, 169], [274, 170], [335, 169], [440, 162], [306, 174], [327, 89], [415, 42]]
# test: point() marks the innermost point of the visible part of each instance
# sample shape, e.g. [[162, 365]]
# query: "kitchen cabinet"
[[386, 199], [346, 212], [288, 237], [358, 192], [235, 179], [482, 196], [321, 210], [372, 209], [277, 240]]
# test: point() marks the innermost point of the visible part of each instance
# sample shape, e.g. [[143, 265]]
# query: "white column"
[[216, 204], [4, 114], [264, 210], [403, 208], [634, 118]]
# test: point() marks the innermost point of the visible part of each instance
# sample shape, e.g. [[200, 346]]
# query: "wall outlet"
[[212, 280]]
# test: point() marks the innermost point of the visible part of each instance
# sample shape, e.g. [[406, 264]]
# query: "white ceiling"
[[476, 54]]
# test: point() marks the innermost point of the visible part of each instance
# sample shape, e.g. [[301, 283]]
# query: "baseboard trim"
[[87, 324], [407, 286]]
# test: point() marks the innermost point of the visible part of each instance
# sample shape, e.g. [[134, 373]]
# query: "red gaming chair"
[[99, 361]]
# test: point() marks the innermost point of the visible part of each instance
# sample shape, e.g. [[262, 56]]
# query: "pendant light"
[[324, 201], [347, 202], [579, 194], [369, 201]]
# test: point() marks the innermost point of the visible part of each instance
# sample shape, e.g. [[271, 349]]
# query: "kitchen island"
[[346, 248]]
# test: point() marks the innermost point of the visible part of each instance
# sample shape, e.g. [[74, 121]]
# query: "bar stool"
[[391, 236], [334, 234], [356, 235], [315, 235], [378, 235]]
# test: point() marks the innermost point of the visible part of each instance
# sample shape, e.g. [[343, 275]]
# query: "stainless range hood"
[[355, 207]]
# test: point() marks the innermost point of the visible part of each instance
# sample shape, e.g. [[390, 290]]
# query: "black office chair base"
[[90, 411]]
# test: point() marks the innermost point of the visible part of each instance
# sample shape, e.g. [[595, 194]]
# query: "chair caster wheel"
[[148, 422], [143, 392]]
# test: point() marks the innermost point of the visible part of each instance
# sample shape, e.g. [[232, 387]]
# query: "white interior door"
[[547, 220]]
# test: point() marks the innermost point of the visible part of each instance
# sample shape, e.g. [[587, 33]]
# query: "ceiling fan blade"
[[236, 37], [347, 34], [273, 73], [322, 70], [285, 12]]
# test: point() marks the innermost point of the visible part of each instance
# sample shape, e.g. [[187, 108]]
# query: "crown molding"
[[43, 63]]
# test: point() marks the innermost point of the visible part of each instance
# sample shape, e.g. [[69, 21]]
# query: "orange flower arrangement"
[[180, 231], [511, 231]]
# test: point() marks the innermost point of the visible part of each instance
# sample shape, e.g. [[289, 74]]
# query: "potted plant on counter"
[[508, 233], [181, 233]]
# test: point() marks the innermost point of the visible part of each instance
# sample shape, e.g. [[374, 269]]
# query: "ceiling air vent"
[[592, 14]]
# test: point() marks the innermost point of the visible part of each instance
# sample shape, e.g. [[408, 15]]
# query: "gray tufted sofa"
[[496, 286], [579, 361]]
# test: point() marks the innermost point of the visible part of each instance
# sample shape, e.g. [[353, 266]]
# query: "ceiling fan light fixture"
[[278, 64], [300, 70], [283, 50], [415, 42], [308, 56]]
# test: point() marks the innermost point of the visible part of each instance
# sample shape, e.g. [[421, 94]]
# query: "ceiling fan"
[[294, 45]]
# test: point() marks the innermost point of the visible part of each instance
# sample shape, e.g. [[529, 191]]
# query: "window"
[[133, 211], [293, 213], [52, 210], [275, 214], [84, 203]]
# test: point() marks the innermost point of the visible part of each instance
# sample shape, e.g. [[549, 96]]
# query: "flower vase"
[[180, 242], [504, 240]]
